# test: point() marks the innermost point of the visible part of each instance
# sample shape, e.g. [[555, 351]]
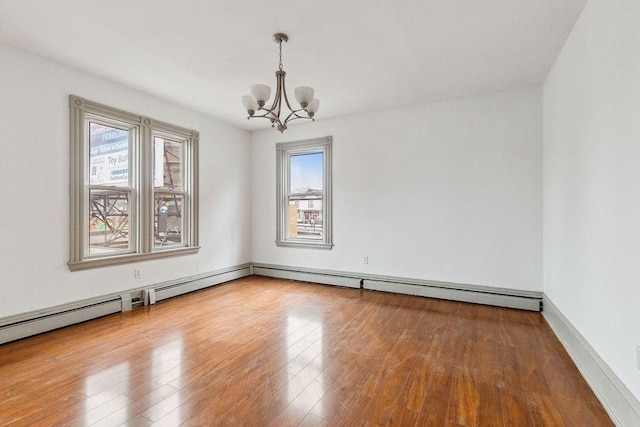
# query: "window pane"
[[305, 200], [108, 155], [305, 217], [167, 165], [306, 173], [109, 221], [168, 219]]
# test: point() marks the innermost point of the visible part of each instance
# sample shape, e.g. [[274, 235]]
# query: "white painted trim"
[[35, 322], [501, 297], [617, 400]]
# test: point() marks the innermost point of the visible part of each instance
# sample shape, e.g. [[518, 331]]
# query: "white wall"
[[448, 190], [592, 182], [34, 190]]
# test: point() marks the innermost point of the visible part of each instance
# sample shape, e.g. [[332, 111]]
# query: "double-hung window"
[[304, 214], [133, 187]]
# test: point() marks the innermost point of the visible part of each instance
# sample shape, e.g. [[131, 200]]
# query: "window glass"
[[108, 155], [109, 222], [167, 164], [168, 219], [305, 196], [306, 173], [168, 195]]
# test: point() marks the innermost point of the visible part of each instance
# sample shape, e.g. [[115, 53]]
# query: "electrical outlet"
[[365, 260], [137, 274], [638, 356]]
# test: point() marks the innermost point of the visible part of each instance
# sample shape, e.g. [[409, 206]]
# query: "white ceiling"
[[359, 55]]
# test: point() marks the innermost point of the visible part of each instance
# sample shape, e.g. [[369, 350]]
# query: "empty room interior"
[[320, 213]]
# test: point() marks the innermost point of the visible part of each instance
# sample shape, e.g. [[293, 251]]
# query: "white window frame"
[[284, 151], [142, 131]]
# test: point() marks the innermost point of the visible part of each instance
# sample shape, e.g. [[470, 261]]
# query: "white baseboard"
[[617, 400], [27, 324], [501, 297]]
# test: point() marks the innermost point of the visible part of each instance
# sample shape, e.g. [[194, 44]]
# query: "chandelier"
[[260, 95]]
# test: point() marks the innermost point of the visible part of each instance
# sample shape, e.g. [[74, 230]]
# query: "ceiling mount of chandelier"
[[255, 103]]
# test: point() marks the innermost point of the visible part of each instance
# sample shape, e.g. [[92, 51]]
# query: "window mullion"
[[191, 179], [287, 196], [145, 187]]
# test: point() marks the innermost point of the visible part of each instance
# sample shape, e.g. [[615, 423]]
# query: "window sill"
[[129, 258], [303, 244]]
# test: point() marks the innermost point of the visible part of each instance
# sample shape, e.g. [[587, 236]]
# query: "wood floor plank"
[[435, 406], [260, 351], [515, 404]]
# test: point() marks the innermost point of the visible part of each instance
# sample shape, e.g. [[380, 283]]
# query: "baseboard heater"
[[477, 295], [488, 295], [27, 324], [178, 287], [307, 275], [32, 323]]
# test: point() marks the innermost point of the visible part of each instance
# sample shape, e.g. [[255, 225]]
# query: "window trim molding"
[[144, 129], [283, 154]]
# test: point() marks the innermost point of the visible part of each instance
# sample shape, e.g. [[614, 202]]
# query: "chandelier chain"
[[280, 44]]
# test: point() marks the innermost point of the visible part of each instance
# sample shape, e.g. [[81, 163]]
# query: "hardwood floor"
[[261, 351]]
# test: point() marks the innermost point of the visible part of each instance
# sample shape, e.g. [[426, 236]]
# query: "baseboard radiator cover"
[[501, 297], [32, 323], [194, 283], [621, 405], [27, 324], [325, 277], [471, 294]]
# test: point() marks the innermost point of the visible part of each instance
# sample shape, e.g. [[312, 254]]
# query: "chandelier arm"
[[296, 117], [266, 114], [266, 111], [293, 115], [277, 102], [284, 91]]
